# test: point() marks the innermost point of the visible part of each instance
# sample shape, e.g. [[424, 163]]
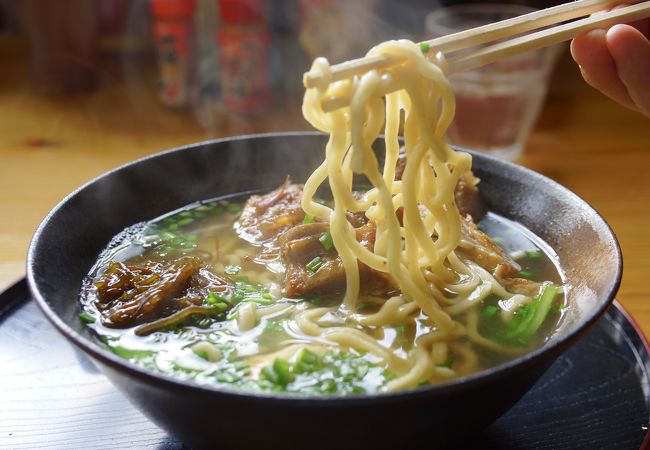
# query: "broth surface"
[[274, 353]]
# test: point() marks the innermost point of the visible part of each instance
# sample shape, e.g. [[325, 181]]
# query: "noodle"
[[419, 264]]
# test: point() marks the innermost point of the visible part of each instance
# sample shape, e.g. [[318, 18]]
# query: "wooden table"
[[49, 146]]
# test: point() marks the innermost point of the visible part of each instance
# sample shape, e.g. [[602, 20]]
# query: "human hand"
[[617, 63]]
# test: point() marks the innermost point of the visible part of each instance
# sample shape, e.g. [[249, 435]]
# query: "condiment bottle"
[[244, 45], [173, 31]]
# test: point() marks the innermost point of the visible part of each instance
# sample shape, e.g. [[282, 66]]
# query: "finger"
[[642, 25], [598, 68], [630, 51]]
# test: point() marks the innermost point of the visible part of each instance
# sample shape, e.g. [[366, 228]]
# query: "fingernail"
[[598, 33]]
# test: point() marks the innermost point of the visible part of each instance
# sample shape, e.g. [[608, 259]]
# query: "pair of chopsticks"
[[509, 33]]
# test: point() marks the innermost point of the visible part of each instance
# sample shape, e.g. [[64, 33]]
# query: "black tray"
[[595, 396]]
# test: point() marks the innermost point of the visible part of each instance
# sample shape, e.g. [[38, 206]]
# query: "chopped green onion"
[[85, 317], [328, 385], [232, 270], [403, 328], [448, 362], [307, 356], [490, 311], [534, 254], [308, 218], [324, 302], [424, 47], [315, 264], [497, 240], [361, 370], [201, 354], [218, 302], [186, 221], [260, 300], [270, 375], [525, 274], [326, 240], [233, 207], [240, 365], [306, 362], [282, 369], [130, 354]]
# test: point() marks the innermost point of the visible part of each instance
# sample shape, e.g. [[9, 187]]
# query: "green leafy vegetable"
[[308, 218], [490, 310], [529, 318]]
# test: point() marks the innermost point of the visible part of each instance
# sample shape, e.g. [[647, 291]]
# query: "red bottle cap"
[[241, 11], [172, 9]]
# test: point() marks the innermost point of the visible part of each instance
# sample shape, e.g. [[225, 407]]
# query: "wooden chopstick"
[[469, 60], [547, 37], [480, 35], [520, 24]]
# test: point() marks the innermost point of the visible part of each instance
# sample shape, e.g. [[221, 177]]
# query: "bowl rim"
[[104, 356]]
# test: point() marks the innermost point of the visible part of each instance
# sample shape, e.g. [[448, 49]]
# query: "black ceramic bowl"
[[70, 238]]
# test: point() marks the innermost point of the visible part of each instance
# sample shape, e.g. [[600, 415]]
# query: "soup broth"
[[238, 329]]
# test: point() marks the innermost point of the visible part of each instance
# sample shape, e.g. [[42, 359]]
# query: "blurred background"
[[204, 68]]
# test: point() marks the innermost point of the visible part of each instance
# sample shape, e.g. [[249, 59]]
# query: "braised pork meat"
[[265, 217], [302, 245]]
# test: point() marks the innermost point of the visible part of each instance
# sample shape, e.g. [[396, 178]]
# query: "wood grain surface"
[[49, 146]]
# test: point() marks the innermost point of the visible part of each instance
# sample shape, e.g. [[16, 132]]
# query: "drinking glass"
[[497, 104]]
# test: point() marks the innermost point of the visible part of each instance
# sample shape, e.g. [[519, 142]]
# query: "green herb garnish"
[[315, 264], [534, 254], [326, 240], [424, 47], [233, 207], [490, 311], [402, 328], [85, 317]]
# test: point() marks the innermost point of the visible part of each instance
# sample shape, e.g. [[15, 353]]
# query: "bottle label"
[[172, 42], [244, 64]]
